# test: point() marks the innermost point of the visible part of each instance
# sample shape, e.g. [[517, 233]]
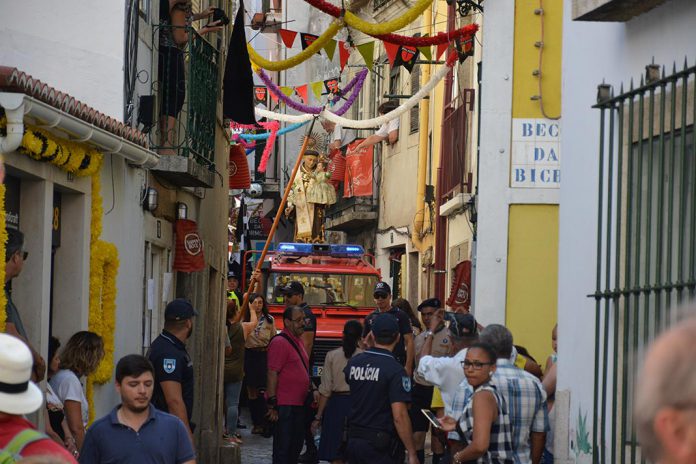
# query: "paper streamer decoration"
[[304, 55], [266, 135], [441, 37], [373, 122]]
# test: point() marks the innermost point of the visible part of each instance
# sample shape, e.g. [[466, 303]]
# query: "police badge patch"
[[169, 365], [406, 383]]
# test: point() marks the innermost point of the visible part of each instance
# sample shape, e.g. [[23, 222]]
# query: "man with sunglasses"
[[15, 255], [404, 351]]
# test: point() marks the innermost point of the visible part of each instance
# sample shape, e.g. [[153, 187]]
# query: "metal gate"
[[646, 250]]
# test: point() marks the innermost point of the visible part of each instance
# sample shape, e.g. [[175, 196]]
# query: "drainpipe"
[[424, 130], [441, 221], [13, 104]]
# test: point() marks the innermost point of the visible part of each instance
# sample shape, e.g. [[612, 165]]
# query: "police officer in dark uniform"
[[378, 424], [173, 366], [404, 350]]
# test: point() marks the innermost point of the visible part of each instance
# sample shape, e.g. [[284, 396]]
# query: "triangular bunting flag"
[[426, 52], [287, 91], [331, 85], [441, 49], [330, 49], [302, 92], [307, 40], [367, 51], [288, 37], [344, 53], [407, 57], [260, 94], [316, 89], [392, 50], [274, 98]]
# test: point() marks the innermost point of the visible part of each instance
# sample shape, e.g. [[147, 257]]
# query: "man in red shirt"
[[288, 386], [19, 396]]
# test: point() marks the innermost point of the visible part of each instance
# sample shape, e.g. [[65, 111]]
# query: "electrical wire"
[[541, 58]]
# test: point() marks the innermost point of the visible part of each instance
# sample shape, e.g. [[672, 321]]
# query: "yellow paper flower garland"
[[83, 162], [351, 20], [3, 244]]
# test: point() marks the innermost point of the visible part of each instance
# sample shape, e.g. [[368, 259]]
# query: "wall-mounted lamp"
[[151, 199], [181, 210], [604, 92]]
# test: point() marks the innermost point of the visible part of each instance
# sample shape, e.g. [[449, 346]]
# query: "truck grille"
[[323, 346]]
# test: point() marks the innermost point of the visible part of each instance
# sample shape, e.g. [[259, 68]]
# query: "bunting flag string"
[[442, 37], [352, 89], [373, 122]]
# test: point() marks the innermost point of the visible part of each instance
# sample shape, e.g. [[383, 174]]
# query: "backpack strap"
[[22, 440]]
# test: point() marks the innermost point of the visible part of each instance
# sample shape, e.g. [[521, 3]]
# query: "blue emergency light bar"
[[306, 249]]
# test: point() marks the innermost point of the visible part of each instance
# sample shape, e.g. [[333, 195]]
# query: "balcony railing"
[[185, 84], [455, 176]]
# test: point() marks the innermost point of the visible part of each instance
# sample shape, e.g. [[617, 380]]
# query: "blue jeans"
[[232, 392], [288, 435]]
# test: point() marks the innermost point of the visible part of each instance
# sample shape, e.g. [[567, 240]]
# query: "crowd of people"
[[398, 376]]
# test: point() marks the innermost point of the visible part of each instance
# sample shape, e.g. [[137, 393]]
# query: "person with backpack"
[[19, 396]]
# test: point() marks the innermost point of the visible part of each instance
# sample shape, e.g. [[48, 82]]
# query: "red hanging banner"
[[460, 294], [188, 255], [358, 179]]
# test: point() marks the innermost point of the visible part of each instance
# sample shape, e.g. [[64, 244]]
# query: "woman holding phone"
[[485, 424]]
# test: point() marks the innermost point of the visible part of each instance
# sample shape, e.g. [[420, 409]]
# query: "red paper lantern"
[[337, 167], [239, 168]]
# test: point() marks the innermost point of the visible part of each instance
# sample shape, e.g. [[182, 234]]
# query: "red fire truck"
[[338, 280]]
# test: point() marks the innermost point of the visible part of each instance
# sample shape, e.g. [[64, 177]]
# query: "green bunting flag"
[[330, 49], [317, 87], [367, 52]]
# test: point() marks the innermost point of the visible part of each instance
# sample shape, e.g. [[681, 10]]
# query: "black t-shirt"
[[404, 329], [171, 362], [376, 381], [310, 325]]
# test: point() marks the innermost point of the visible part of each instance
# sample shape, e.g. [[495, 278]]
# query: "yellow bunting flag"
[[367, 52], [287, 91], [330, 49], [317, 87]]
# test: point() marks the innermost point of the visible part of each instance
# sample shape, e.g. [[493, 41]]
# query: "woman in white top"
[[80, 357], [389, 131]]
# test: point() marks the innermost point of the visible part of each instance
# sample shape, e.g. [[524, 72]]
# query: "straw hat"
[[18, 394]]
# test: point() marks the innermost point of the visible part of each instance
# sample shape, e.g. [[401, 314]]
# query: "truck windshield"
[[325, 289]]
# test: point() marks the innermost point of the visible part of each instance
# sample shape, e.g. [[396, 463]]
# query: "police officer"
[[233, 292], [378, 424], [173, 366], [404, 351]]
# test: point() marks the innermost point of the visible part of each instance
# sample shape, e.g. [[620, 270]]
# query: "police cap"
[[179, 310]]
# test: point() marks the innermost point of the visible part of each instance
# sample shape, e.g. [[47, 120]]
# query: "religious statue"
[[309, 196]]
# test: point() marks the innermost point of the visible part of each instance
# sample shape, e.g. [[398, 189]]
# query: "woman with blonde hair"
[[80, 357]]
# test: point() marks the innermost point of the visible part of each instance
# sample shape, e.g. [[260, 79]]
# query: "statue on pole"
[[311, 194]]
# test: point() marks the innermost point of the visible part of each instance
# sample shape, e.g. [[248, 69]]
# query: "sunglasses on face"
[[476, 365], [380, 296]]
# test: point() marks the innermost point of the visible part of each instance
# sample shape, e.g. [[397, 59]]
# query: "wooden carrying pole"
[[281, 210]]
